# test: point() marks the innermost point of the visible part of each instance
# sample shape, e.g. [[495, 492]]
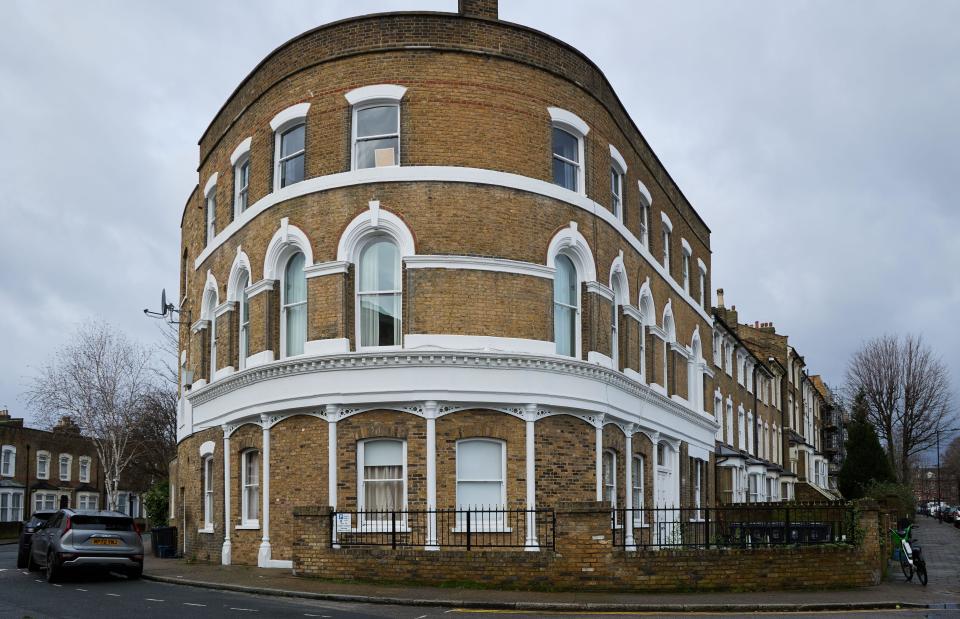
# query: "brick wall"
[[586, 559]]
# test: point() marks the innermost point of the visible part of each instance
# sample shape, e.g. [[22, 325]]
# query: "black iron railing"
[[446, 528], [756, 525]]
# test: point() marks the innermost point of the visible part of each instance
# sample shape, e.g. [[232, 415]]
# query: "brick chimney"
[[720, 298], [7, 420], [484, 9], [67, 425]]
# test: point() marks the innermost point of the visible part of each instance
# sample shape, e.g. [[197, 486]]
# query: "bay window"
[[11, 505]]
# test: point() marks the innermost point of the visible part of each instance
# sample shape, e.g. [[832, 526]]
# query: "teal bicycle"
[[911, 556]]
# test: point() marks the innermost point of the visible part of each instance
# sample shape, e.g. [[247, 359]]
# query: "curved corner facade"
[[431, 263]]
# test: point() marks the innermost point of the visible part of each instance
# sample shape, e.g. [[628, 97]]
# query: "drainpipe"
[[26, 487]]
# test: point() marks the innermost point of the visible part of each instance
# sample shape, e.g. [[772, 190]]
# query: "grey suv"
[[94, 540]]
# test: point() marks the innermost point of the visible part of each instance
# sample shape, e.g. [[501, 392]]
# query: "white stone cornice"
[[633, 312], [264, 285], [292, 113], [326, 268], [223, 308], [479, 263], [599, 289]]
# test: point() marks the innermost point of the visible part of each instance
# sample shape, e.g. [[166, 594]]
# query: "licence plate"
[[105, 542]]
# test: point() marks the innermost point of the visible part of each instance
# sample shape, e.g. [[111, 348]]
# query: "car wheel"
[[22, 558], [53, 572]]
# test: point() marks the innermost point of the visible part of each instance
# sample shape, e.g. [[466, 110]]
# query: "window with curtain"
[[244, 319], [379, 294], [566, 159], [610, 477], [376, 136], [208, 492], [636, 474], [294, 304], [290, 156], [250, 510], [480, 474], [241, 184], [565, 306], [382, 477]]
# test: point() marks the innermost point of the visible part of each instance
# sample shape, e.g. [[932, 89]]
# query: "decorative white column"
[[263, 558], [654, 440], [333, 412], [628, 477], [531, 543], [430, 413], [599, 464], [226, 552]]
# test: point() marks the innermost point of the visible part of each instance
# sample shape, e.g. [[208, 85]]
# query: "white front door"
[[663, 489]]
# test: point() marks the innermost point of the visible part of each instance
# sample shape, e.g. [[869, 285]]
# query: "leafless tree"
[[100, 379], [908, 392]]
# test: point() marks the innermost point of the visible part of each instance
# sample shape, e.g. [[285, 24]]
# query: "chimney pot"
[[720, 297]]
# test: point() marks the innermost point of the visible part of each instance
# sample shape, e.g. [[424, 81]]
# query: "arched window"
[[293, 307], [243, 305], [209, 314], [648, 314], [379, 293], [566, 306], [618, 283]]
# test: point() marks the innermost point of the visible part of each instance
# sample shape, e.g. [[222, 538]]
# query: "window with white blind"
[[566, 306], [379, 293], [376, 135], [244, 319], [8, 461], [293, 305], [208, 493], [250, 485], [637, 480], [480, 474], [383, 477]]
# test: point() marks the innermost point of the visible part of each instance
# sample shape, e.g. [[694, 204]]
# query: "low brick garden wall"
[[586, 559]]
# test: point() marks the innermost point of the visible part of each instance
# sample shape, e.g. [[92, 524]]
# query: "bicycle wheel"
[[905, 565], [922, 572]]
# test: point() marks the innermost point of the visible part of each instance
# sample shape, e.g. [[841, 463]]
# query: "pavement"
[[940, 542]]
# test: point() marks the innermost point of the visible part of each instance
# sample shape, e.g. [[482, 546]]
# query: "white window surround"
[[367, 241], [450, 174], [208, 448], [84, 472], [286, 241], [575, 126], [618, 159], [68, 460], [374, 220], [11, 505], [293, 114], [211, 184], [666, 221], [8, 463], [240, 266], [354, 125], [43, 464], [574, 245], [645, 193], [242, 149], [375, 93], [685, 246]]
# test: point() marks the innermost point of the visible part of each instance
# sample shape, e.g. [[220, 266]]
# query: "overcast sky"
[[818, 140]]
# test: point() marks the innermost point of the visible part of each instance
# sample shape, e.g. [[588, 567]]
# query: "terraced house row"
[[432, 267]]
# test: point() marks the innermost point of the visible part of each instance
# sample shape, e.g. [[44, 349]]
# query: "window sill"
[[205, 530], [252, 525], [377, 528], [641, 525]]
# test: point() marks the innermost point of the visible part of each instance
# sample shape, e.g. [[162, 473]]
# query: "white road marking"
[[25, 573], [79, 589], [3, 569], [38, 580], [115, 595], [192, 604], [246, 610], [55, 585], [152, 600], [421, 617]]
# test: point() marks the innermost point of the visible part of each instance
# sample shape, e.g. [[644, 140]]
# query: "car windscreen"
[[39, 518], [102, 523]]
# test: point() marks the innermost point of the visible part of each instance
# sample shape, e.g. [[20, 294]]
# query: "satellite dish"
[[163, 302]]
